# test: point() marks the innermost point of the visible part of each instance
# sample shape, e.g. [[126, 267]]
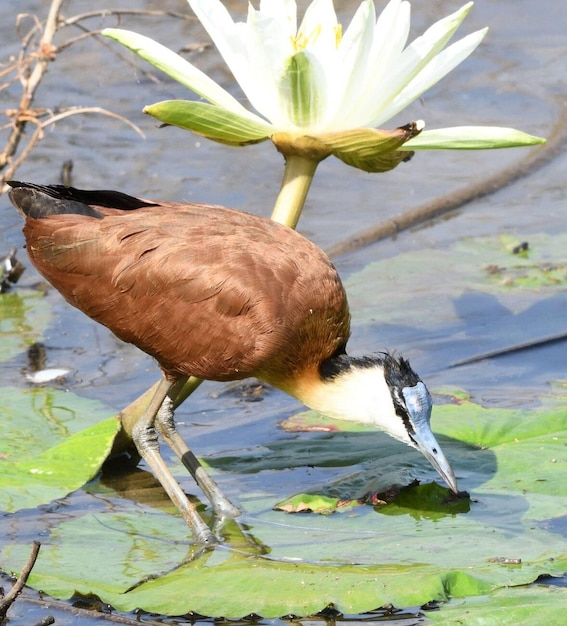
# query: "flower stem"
[[298, 174], [188, 388]]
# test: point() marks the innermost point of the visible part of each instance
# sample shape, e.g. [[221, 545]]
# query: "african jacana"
[[222, 295]]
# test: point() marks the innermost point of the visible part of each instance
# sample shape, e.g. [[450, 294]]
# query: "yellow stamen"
[[338, 34], [302, 40]]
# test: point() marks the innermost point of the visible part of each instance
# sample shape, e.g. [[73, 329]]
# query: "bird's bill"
[[427, 444], [418, 402]]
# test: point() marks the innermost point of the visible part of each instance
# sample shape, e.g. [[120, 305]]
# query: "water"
[[516, 78]]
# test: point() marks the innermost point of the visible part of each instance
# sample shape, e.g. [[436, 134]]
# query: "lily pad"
[[430, 499], [517, 606], [313, 503], [492, 302], [483, 264], [408, 552], [151, 567], [45, 450]]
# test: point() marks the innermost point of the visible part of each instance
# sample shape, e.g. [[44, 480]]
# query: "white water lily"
[[318, 78], [318, 90]]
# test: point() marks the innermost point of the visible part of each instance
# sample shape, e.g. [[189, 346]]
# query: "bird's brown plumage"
[[221, 295], [208, 291]]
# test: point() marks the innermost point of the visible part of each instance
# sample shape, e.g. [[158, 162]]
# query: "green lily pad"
[[431, 500], [517, 606], [313, 503], [408, 552], [483, 264], [45, 450]]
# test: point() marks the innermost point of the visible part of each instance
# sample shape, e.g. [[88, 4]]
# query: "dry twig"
[[28, 69], [9, 599]]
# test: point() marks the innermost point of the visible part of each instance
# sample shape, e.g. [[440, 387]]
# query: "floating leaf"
[[486, 264], [313, 503], [519, 606], [490, 302], [416, 549], [33, 473]]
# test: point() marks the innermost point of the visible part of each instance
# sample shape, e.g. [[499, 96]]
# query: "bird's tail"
[[39, 201]]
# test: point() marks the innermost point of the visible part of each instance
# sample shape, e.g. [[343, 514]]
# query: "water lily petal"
[[352, 69], [471, 138], [268, 46], [254, 52], [283, 12], [412, 60], [236, 48], [211, 121], [319, 28], [434, 71], [177, 68], [318, 37], [390, 36]]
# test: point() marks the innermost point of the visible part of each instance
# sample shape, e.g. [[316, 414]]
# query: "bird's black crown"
[[397, 370]]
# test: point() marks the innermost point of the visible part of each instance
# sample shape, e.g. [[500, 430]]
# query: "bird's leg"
[[145, 438], [167, 429]]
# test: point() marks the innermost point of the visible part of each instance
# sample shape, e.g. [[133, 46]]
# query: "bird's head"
[[385, 392], [412, 406]]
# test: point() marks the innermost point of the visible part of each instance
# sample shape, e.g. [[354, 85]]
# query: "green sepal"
[[210, 121], [369, 149]]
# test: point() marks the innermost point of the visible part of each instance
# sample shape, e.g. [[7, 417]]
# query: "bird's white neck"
[[357, 394]]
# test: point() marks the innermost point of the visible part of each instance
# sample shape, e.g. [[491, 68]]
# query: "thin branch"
[[46, 50], [99, 110], [11, 596], [120, 12], [31, 82], [37, 51], [73, 40], [38, 133], [76, 19], [35, 138], [26, 39]]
